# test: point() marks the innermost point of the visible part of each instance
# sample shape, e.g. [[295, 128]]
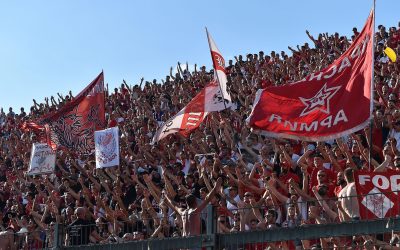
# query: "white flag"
[[219, 67], [43, 159], [107, 147]]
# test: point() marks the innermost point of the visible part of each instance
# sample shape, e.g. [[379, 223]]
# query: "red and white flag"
[[325, 105], [191, 116], [214, 97], [219, 68], [378, 195], [72, 127]]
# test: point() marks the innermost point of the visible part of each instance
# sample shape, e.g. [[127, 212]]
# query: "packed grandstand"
[[254, 182]]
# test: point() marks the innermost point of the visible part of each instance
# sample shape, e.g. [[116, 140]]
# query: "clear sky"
[[56, 46]]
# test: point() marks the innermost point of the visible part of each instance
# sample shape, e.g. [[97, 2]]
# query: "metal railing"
[[137, 234], [133, 230], [265, 238], [27, 239]]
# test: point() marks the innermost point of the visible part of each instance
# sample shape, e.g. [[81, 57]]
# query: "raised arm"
[[171, 204], [206, 180], [385, 164], [302, 161], [209, 196], [168, 186], [271, 187], [227, 197], [324, 205], [154, 191], [311, 38], [300, 192]]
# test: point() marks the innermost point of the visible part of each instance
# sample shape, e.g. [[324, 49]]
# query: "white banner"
[[43, 159], [107, 147]]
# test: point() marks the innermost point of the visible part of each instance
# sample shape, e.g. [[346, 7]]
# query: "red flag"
[[378, 196], [325, 105], [31, 126], [73, 126], [191, 116], [37, 129]]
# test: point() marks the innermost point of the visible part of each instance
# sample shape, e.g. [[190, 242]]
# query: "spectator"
[[80, 229], [191, 215], [348, 196], [160, 190]]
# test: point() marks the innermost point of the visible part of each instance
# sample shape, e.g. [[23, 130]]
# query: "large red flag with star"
[[328, 104]]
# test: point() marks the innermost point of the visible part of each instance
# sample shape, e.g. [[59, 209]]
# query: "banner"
[[378, 194], [107, 147], [325, 105], [73, 126], [43, 159], [191, 116], [38, 130]]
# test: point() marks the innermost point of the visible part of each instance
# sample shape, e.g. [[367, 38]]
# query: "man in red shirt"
[[317, 173]]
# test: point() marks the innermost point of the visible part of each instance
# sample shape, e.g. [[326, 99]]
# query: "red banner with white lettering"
[[325, 105], [377, 194]]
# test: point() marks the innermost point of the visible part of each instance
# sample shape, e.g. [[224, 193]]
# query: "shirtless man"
[[191, 216], [348, 196]]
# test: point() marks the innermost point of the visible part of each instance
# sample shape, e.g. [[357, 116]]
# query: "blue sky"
[[56, 46]]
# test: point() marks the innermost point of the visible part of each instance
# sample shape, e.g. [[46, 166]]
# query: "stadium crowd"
[[255, 182]]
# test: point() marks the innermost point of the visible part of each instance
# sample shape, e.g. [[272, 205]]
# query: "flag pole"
[[215, 68], [372, 86]]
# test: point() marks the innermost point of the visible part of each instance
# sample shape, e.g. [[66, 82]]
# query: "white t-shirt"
[[230, 206]]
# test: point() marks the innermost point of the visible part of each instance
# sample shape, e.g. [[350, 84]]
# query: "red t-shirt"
[[331, 175], [377, 137], [112, 123], [265, 83], [342, 164], [289, 175], [337, 190], [395, 38]]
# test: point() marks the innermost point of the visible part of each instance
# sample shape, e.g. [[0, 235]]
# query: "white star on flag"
[[320, 101]]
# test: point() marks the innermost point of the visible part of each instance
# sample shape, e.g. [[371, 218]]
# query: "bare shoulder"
[[190, 210], [352, 189], [343, 192]]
